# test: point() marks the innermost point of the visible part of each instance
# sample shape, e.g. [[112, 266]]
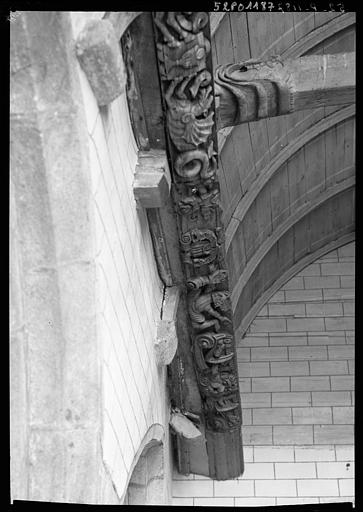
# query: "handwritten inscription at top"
[[278, 6]]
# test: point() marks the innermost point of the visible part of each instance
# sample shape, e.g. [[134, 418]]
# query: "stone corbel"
[[99, 53]]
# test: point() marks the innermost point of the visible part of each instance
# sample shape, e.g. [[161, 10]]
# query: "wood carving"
[[201, 248], [249, 97], [254, 90], [202, 305], [217, 378], [188, 121], [217, 277], [185, 69], [184, 46]]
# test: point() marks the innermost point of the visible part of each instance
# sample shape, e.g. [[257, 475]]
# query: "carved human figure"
[[201, 305]]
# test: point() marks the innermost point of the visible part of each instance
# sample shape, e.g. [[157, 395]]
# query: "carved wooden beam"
[[254, 90], [186, 75]]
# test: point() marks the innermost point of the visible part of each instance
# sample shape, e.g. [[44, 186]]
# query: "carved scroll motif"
[[185, 68], [248, 91]]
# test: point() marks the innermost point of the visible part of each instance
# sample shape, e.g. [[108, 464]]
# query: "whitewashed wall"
[[129, 291]]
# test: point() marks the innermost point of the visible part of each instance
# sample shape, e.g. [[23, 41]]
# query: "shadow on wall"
[[147, 483]]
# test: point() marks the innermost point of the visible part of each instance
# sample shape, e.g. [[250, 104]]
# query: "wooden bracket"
[[255, 90], [152, 179]]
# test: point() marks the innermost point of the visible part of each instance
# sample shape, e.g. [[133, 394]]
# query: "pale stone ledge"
[[152, 179], [166, 338], [99, 54]]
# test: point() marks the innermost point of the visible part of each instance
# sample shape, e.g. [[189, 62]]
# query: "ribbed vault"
[[287, 183]]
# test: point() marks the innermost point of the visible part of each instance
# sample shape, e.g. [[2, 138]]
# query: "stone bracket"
[[152, 180], [99, 53], [166, 342]]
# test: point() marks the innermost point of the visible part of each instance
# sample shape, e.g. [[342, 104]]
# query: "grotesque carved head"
[[220, 300]]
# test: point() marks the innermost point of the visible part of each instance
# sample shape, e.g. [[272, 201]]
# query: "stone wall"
[[86, 393], [296, 370]]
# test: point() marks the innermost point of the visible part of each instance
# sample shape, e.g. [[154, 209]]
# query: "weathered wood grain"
[[304, 23], [309, 40], [297, 179], [300, 235], [314, 158], [273, 166], [308, 82], [240, 37], [252, 295]]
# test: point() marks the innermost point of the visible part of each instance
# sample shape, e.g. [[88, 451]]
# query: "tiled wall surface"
[[129, 290], [296, 369]]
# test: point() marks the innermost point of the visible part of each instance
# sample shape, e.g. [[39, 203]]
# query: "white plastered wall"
[[129, 291]]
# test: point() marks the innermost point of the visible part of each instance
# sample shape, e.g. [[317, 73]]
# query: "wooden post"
[[186, 75], [254, 90]]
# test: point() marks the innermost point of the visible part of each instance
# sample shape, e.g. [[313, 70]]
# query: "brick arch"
[[287, 275]]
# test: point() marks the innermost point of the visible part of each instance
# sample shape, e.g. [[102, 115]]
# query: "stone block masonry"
[[296, 365]]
